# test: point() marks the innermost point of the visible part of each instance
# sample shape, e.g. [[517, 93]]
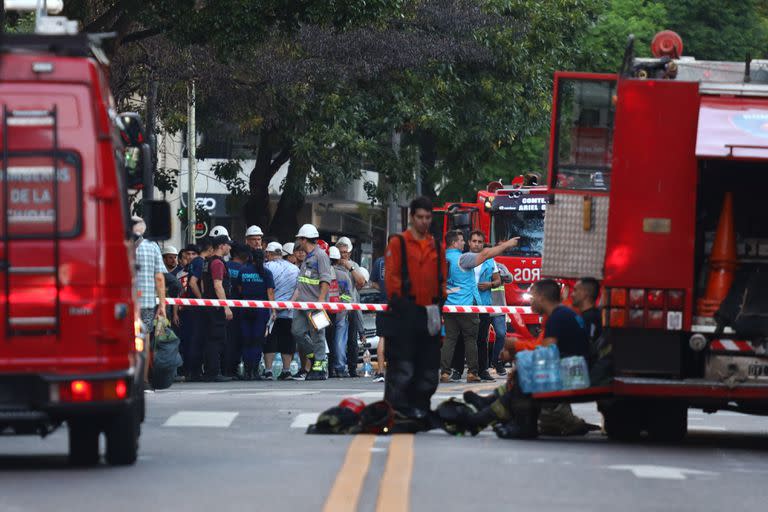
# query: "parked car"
[[369, 295]]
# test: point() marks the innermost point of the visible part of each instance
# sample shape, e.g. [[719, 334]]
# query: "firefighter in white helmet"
[[218, 231], [253, 236], [315, 276]]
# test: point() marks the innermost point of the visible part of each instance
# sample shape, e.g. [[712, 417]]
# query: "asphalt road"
[[242, 447]]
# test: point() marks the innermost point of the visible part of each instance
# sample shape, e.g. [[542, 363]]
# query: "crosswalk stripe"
[[215, 419], [305, 419]]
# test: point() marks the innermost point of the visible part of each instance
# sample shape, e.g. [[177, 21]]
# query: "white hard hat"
[[219, 231], [169, 249], [274, 247], [333, 253], [288, 249], [366, 274], [254, 231], [345, 241], [308, 231]]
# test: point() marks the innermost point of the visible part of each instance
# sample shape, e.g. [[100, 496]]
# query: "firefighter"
[[315, 276], [414, 264], [216, 285], [253, 236]]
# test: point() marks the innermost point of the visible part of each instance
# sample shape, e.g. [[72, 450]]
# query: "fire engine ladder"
[[30, 325]]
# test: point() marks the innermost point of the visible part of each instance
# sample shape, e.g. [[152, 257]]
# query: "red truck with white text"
[[70, 339]]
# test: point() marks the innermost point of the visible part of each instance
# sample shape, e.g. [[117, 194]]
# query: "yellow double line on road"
[[395, 486]]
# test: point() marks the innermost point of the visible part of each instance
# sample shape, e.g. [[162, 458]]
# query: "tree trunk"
[[256, 208], [285, 223], [428, 155]]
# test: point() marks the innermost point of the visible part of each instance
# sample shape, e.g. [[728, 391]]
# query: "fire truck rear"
[[70, 339], [657, 178]]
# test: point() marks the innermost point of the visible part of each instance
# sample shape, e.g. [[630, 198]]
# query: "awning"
[[733, 128]]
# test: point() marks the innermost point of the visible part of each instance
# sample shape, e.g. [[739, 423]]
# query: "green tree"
[[720, 29]]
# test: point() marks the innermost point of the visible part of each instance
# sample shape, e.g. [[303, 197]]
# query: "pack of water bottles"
[[574, 372], [542, 371], [539, 370]]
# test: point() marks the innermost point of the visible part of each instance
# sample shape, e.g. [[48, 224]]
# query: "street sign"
[[201, 229]]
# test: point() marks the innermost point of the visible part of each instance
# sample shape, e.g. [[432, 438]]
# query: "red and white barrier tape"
[[334, 306]]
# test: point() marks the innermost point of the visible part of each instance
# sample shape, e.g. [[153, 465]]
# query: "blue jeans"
[[340, 342], [499, 324]]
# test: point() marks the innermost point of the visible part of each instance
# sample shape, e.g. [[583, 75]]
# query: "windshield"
[[529, 226]]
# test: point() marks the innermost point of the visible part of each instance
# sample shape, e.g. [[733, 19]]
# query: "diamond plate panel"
[[569, 251]]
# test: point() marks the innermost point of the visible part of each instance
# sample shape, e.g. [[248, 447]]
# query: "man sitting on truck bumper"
[[517, 415]]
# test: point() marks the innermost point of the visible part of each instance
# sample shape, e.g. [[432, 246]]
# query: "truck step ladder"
[[47, 321]]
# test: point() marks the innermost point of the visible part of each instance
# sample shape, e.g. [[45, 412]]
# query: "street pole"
[[393, 210], [191, 164], [417, 166]]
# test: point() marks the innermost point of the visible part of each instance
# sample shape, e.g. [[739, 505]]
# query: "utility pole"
[[417, 170], [191, 163], [393, 210]]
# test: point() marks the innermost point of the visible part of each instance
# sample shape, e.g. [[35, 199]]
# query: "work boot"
[[445, 378], [512, 430], [318, 371], [477, 401], [472, 378], [485, 376], [501, 371]]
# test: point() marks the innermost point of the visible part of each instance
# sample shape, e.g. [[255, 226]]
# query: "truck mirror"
[[131, 129], [157, 216]]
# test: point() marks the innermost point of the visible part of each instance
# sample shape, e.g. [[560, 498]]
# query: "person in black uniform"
[[585, 294], [216, 285]]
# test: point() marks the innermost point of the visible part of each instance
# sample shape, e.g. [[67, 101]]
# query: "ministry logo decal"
[[754, 124]]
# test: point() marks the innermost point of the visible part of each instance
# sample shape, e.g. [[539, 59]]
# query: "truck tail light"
[[90, 391], [636, 298], [655, 299], [676, 300], [636, 317], [655, 319], [618, 297], [617, 317], [641, 308], [80, 391]]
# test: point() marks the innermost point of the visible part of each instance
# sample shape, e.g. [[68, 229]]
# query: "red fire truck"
[[503, 212], [70, 338], [655, 188]]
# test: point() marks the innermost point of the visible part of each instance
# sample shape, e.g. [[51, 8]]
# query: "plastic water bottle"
[[554, 381], [277, 365], [524, 367], [540, 370], [367, 366], [261, 366], [294, 368], [575, 373]]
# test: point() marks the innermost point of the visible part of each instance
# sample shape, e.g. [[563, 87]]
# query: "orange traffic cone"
[[722, 261]]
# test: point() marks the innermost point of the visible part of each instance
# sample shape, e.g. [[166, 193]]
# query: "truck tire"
[[623, 420], [668, 423], [83, 442], [123, 437]]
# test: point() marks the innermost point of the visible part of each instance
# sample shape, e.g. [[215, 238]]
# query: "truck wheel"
[[123, 437], [83, 443], [623, 421], [668, 422]]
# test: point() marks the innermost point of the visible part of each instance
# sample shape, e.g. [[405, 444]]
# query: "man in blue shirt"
[[254, 282], [285, 276], [234, 343], [463, 291]]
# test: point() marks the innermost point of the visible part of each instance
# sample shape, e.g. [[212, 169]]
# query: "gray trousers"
[[310, 340], [467, 326]]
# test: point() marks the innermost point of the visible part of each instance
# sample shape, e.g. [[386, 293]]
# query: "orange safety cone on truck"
[[722, 261]]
